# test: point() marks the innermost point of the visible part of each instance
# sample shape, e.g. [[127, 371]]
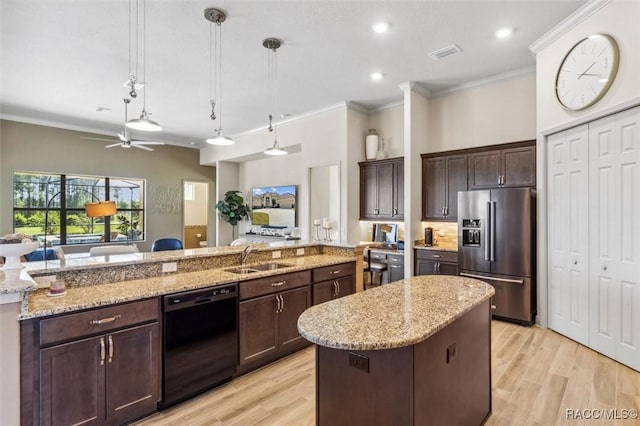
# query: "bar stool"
[[374, 267]]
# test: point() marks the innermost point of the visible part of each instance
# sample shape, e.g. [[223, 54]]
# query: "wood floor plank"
[[537, 375]]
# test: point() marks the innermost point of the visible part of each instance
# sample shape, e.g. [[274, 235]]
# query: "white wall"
[[357, 126], [620, 19], [226, 180], [504, 111]]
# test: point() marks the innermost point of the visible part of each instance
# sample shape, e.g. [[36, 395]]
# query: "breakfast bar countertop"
[[38, 304], [394, 315]]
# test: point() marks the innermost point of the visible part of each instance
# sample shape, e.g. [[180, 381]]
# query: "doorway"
[[195, 214]]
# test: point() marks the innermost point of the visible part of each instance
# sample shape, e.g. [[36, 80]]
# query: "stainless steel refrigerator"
[[496, 244]]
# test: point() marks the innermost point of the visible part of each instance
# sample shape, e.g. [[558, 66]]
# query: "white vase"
[[371, 145]]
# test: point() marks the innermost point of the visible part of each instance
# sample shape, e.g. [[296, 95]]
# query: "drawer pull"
[[105, 320], [110, 349], [102, 351], [278, 284], [436, 256], [337, 271], [493, 307], [396, 266]]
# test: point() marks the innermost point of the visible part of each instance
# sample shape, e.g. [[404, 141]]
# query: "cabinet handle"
[[395, 266], [436, 256], [338, 284], [438, 267], [277, 303], [493, 307], [278, 284], [446, 211], [375, 211], [395, 211], [110, 349], [281, 303], [575, 262], [102, 351], [442, 210], [105, 320], [337, 271], [604, 268]]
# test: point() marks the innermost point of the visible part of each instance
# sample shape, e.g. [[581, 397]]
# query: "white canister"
[[371, 145]]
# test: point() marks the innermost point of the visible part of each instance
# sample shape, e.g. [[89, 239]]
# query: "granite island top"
[[38, 304], [394, 315]]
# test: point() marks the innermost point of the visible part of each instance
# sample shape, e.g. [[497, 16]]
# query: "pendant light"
[[217, 17], [144, 123], [272, 44], [133, 84]]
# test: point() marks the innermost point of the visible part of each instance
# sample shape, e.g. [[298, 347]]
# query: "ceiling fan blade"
[[113, 145], [98, 139], [147, 142], [141, 147]]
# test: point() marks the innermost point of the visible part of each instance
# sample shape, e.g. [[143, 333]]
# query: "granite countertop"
[[16, 281], [38, 304], [439, 248], [394, 315]]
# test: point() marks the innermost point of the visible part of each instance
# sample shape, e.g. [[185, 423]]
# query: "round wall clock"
[[587, 71]]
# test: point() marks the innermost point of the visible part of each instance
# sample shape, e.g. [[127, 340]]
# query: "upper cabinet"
[[496, 166], [442, 178], [503, 168], [382, 189]]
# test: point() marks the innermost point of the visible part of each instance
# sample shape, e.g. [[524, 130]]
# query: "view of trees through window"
[[51, 208]]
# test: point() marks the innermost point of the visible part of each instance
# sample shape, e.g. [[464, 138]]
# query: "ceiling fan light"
[[220, 139], [275, 150], [144, 123]]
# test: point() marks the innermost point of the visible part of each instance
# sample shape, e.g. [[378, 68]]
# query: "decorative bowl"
[[12, 253]]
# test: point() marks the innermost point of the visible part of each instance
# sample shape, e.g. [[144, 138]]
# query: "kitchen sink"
[[270, 266], [242, 270]]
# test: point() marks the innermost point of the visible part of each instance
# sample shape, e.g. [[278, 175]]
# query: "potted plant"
[[233, 209]]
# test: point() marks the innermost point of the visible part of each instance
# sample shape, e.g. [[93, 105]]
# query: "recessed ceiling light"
[[376, 76], [504, 32], [192, 143], [380, 27]]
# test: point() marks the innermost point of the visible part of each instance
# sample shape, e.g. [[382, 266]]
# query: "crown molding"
[[355, 106], [486, 81], [414, 86], [569, 23], [388, 106]]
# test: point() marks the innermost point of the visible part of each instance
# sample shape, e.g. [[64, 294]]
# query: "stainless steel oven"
[[200, 341]]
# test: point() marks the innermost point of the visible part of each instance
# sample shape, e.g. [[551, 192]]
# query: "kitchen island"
[[412, 352]]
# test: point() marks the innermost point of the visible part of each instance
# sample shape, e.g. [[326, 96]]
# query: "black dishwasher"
[[200, 341]]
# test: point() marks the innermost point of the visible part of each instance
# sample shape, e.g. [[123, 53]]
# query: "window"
[[50, 207]]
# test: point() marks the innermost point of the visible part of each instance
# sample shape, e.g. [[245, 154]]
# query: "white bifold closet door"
[[614, 224], [568, 232], [593, 235]]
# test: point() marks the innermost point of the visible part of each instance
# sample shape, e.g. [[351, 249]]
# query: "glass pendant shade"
[[144, 123], [275, 150], [220, 139]]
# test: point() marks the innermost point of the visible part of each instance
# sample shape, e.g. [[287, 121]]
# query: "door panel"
[[514, 231], [398, 190], [294, 303], [473, 205], [385, 190], [457, 169], [519, 166], [368, 191], [484, 169], [258, 328], [433, 185], [323, 292]]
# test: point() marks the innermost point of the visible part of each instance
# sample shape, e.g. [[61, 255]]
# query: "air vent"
[[444, 52]]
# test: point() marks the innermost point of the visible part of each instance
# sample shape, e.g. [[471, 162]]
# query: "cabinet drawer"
[[395, 259], [100, 320], [332, 272], [273, 284], [377, 255], [440, 256]]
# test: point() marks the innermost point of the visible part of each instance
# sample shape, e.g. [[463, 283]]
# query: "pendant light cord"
[[144, 54], [219, 72]]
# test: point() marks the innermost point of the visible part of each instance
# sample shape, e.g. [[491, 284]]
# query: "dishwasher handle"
[[187, 299]]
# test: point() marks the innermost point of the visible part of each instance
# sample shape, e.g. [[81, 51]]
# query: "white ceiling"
[[61, 59]]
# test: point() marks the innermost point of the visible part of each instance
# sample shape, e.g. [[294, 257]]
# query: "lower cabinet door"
[[426, 267], [448, 268], [346, 286], [323, 292], [293, 303], [396, 272], [133, 372], [258, 328], [72, 387]]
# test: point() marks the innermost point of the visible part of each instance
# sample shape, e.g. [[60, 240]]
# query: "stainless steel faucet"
[[245, 253]]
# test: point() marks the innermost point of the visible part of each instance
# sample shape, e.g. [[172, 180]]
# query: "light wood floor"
[[536, 376]]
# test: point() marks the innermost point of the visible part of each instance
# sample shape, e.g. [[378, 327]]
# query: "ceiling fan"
[[125, 139]]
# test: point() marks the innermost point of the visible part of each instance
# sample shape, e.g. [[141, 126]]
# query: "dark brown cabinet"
[[333, 282], [508, 167], [94, 367], [442, 178], [434, 262], [382, 189], [268, 316], [395, 264]]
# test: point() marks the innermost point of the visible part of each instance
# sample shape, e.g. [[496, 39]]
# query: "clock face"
[[586, 73]]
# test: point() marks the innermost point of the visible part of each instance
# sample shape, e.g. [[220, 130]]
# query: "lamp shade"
[[100, 209]]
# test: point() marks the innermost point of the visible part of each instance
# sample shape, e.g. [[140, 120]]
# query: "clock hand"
[[585, 71]]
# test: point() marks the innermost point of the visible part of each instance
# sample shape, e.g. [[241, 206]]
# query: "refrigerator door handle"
[[493, 232], [487, 220], [481, 277]]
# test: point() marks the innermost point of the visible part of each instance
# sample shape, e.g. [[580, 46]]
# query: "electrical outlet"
[[300, 252], [359, 362], [451, 352], [276, 254], [169, 267]]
